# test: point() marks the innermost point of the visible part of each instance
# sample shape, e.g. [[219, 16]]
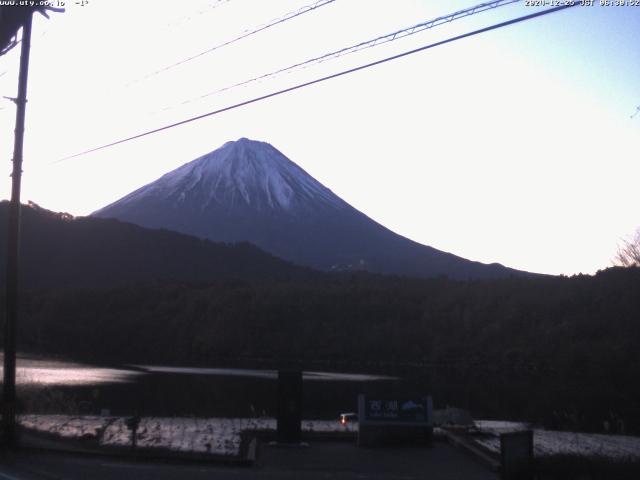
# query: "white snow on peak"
[[243, 172]]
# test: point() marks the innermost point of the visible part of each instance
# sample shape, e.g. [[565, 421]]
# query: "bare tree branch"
[[629, 252]]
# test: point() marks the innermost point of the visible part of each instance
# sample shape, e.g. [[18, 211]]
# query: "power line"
[[389, 37], [328, 77], [208, 9], [247, 33]]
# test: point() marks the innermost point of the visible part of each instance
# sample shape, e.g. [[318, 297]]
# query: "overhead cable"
[[322, 79], [247, 33], [389, 37]]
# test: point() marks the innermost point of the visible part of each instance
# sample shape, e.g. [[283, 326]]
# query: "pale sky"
[[515, 146]]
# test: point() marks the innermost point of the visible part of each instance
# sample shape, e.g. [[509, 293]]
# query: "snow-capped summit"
[[240, 174], [249, 191]]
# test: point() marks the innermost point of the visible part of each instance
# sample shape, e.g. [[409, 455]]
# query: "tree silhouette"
[[629, 252]]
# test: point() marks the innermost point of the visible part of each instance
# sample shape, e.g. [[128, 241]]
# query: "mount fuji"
[[249, 191]]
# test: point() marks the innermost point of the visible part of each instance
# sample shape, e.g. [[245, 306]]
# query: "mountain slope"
[[58, 250], [249, 191]]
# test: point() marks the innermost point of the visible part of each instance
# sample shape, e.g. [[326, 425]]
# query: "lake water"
[[51, 386], [267, 374], [54, 372]]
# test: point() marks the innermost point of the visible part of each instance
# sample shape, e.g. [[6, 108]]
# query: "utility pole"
[[13, 249]]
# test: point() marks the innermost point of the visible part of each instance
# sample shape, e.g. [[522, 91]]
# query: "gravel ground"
[[216, 436], [550, 443]]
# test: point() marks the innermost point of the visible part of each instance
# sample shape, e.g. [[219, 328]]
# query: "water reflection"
[[53, 372], [268, 374], [52, 386], [73, 376]]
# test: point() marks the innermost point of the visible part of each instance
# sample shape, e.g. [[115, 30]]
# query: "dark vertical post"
[[289, 406], [13, 249], [516, 455]]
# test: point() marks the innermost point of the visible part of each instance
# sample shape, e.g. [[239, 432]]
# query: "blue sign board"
[[395, 410]]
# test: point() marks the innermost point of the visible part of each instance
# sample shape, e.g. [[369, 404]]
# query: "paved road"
[[322, 460]]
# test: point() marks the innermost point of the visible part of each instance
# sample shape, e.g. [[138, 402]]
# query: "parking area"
[[320, 460], [344, 460]]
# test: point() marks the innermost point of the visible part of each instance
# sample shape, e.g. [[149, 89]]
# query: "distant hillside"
[[59, 250]]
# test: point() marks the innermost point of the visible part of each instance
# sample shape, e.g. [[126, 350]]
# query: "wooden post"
[[13, 248]]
